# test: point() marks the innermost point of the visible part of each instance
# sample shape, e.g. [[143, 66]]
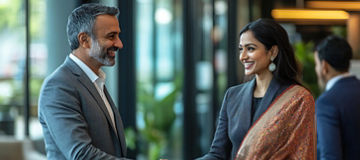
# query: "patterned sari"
[[285, 131]]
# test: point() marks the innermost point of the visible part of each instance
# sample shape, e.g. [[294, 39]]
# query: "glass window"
[[220, 42], [159, 75], [12, 61]]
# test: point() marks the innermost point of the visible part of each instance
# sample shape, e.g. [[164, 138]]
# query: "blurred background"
[[179, 58]]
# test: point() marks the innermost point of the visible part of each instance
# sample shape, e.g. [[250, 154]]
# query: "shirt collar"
[[333, 80], [99, 80]]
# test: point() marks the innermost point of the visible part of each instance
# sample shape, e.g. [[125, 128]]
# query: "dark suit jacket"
[[235, 118], [338, 121], [74, 118]]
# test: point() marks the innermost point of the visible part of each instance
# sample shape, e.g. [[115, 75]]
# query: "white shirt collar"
[[99, 80], [333, 80]]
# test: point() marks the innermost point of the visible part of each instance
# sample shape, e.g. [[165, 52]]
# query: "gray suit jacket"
[[74, 118]]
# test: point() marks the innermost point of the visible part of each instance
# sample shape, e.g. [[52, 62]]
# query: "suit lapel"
[[118, 121], [85, 81], [274, 89], [244, 104]]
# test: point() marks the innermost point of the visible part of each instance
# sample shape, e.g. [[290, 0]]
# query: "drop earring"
[[272, 65]]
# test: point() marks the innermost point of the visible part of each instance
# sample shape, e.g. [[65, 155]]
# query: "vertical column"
[[215, 89], [126, 63], [232, 71], [56, 37], [244, 13], [353, 35], [27, 70], [191, 145], [266, 7]]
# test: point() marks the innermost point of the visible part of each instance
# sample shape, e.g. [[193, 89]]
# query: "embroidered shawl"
[[286, 130]]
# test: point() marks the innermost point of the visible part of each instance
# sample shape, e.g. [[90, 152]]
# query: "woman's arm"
[[221, 145]]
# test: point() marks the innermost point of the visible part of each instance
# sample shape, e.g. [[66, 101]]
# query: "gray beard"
[[99, 54]]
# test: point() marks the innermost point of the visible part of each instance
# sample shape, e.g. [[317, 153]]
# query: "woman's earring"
[[272, 65]]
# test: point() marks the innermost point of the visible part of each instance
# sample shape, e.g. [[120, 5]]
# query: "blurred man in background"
[[338, 108]]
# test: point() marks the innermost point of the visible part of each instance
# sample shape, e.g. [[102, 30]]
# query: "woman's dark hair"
[[270, 33]]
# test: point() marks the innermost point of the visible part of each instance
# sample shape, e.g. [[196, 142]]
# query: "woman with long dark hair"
[[272, 115]]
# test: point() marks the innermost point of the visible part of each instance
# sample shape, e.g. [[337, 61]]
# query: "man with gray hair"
[[78, 117]]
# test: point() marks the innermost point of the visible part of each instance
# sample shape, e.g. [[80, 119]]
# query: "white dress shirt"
[[98, 81], [333, 80]]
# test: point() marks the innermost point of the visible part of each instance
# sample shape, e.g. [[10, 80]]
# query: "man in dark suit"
[[338, 108], [78, 117]]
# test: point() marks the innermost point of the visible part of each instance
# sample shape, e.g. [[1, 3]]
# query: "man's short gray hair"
[[82, 19]]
